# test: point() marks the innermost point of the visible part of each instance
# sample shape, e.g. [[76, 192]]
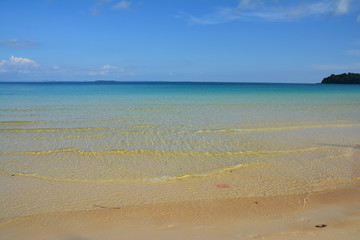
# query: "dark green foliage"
[[345, 78]]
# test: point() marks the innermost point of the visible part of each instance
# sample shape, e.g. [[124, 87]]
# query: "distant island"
[[345, 78]]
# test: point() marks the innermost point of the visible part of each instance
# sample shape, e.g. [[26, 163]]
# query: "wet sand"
[[327, 215]]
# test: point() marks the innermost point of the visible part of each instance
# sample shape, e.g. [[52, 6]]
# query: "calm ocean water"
[[262, 139], [130, 131]]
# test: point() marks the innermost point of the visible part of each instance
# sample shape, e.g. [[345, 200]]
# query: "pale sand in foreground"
[[325, 215], [332, 214]]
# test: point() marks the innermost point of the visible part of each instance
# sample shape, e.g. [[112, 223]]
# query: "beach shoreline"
[[331, 214], [328, 214]]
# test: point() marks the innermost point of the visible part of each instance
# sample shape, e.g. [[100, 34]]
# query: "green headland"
[[345, 78]]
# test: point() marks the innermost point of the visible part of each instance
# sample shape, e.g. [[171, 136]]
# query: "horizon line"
[[127, 82]]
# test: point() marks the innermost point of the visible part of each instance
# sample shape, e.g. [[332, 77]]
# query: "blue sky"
[[178, 40]]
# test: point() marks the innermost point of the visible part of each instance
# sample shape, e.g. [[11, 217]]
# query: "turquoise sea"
[[172, 141]]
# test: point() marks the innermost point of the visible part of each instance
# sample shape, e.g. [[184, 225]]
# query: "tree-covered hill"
[[345, 78]]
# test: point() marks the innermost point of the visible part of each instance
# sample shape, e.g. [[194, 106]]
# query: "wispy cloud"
[[221, 16], [21, 66], [358, 18], [26, 66], [122, 5], [271, 11], [95, 10], [17, 64], [342, 6], [14, 43], [20, 61]]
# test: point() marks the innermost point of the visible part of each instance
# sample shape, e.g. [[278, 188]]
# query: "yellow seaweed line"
[[54, 129], [59, 179], [40, 152], [203, 174], [138, 179], [2, 224], [150, 151], [275, 128], [293, 123]]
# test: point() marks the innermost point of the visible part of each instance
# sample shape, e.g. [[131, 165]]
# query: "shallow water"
[[260, 139]]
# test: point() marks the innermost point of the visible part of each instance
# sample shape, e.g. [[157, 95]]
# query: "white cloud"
[[21, 61], [17, 64], [276, 11], [25, 67], [122, 5]]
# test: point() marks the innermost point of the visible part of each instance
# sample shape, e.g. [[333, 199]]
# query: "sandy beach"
[[324, 215], [331, 214]]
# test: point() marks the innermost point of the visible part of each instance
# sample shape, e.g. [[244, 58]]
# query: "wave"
[[145, 178], [56, 129], [234, 130], [139, 176], [166, 152], [41, 152], [150, 129]]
